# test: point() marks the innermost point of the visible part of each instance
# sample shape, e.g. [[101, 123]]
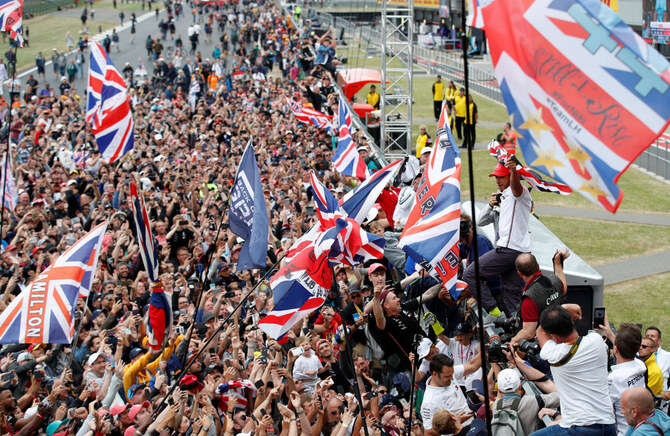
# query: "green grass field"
[[599, 242], [641, 301], [48, 32]]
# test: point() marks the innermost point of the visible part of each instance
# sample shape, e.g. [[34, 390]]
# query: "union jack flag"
[[346, 159], [300, 287], [11, 19], [193, 91], [531, 177], [108, 106], [234, 389], [143, 233], [7, 177], [432, 230], [310, 116], [586, 94], [79, 157], [43, 313], [159, 317]]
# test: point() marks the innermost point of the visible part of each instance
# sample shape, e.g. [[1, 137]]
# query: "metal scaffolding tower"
[[397, 32]]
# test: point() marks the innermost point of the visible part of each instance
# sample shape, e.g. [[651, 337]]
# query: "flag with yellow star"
[[585, 93]]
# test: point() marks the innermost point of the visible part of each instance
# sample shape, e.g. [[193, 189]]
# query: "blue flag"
[[248, 216]]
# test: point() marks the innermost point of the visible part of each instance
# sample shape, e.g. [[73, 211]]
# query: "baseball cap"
[[136, 409], [508, 380], [130, 431], [118, 409], [424, 348], [425, 150], [93, 357], [135, 352], [374, 267], [55, 425], [500, 171], [462, 327]]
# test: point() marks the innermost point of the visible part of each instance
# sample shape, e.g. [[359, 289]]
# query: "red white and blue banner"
[[586, 94], [531, 177], [43, 313], [11, 196], [159, 318], [431, 233], [11, 19], [310, 116], [108, 106], [346, 159], [143, 233]]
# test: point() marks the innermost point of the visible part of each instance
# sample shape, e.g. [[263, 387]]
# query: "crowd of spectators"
[[186, 152]]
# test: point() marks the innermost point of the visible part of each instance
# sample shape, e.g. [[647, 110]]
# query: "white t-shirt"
[[303, 365], [623, 376], [450, 398], [582, 382], [513, 222], [462, 354]]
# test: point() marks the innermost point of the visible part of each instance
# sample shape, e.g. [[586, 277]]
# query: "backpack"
[[506, 421]]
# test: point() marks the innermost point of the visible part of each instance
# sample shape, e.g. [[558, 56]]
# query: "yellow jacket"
[[655, 379], [459, 106], [143, 369], [451, 93], [373, 99], [438, 91], [420, 143]]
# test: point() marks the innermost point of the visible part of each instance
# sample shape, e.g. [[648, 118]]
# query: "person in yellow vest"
[[470, 125], [438, 97], [422, 140], [373, 97], [647, 353], [450, 94], [459, 109]]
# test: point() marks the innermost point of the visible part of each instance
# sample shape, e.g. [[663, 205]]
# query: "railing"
[[35, 8], [656, 158]]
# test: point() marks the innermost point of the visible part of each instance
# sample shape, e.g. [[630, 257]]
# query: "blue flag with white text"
[[248, 216]]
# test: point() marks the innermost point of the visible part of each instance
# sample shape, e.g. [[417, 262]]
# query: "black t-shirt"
[[396, 339]]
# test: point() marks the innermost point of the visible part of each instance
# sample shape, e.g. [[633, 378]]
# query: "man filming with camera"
[[579, 368]]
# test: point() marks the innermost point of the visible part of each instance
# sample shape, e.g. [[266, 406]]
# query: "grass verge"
[[599, 242], [47, 32], [641, 301]]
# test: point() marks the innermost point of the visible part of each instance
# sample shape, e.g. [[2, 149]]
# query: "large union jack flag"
[[310, 116], [431, 233], [43, 313], [11, 19], [234, 389], [301, 285], [108, 106], [346, 159], [586, 94]]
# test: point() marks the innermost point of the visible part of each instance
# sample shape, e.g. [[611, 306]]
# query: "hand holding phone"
[[598, 317]]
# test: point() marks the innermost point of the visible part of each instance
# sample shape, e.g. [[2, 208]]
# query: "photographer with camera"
[[579, 369], [513, 240], [540, 291]]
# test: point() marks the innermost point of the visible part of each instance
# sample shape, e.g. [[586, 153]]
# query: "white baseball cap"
[[93, 357], [424, 348], [508, 380]]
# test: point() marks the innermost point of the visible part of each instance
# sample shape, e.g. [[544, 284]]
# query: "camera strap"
[[570, 354]]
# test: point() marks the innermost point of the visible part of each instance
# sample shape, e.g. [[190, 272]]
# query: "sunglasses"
[[646, 346]]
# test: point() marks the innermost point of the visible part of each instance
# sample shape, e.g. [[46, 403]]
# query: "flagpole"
[[205, 282], [9, 136], [473, 213], [350, 358], [412, 389], [219, 329]]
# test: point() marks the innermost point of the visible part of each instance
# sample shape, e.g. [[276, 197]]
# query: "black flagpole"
[[350, 358], [214, 335], [9, 135], [412, 389], [473, 212]]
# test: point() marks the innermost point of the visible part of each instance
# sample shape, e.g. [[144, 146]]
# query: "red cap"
[[118, 409], [500, 171], [374, 267], [136, 409]]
